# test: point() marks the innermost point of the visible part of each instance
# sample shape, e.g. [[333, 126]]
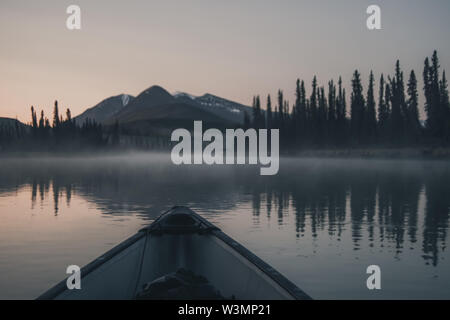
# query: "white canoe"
[[179, 238]]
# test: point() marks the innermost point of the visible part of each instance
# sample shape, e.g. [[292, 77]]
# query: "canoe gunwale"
[[203, 227], [273, 274], [62, 285], [277, 277]]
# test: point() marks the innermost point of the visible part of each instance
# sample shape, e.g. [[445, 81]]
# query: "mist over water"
[[320, 222]]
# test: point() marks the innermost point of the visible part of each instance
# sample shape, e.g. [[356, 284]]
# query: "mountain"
[[156, 111], [226, 109], [153, 96], [105, 109]]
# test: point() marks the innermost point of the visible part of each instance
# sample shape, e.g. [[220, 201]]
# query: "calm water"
[[319, 222]]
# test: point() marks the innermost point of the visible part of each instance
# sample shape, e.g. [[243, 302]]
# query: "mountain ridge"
[[105, 109], [151, 103]]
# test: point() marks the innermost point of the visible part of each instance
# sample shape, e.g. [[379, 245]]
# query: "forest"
[[62, 134], [389, 118], [323, 119]]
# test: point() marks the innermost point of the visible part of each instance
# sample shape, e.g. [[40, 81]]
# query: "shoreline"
[[442, 153], [378, 153]]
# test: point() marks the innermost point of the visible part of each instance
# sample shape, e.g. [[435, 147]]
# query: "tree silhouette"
[[318, 119], [56, 119], [413, 127], [445, 107], [269, 113], [357, 110], [370, 122], [383, 112], [398, 106]]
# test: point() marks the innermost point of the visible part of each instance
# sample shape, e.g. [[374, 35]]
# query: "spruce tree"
[[413, 124], [371, 121], [68, 115], [388, 124], [303, 116], [42, 121], [445, 106], [398, 106], [313, 113], [331, 116], [297, 125], [331, 102], [383, 114], [280, 105], [435, 113], [430, 122], [340, 114], [42, 125], [33, 118], [279, 112], [298, 96], [34, 123], [56, 119], [345, 123], [259, 121], [322, 116], [256, 112], [269, 113], [357, 110]]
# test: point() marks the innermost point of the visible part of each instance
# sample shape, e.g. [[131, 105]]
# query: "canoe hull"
[[228, 266]]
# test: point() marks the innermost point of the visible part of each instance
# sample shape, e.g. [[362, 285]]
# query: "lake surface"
[[321, 223]]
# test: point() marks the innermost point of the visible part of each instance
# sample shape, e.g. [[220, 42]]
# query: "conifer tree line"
[[387, 118], [63, 133], [320, 117], [63, 130], [60, 133]]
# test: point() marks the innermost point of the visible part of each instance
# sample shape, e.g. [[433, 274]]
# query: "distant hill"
[[12, 128], [105, 109], [9, 122]]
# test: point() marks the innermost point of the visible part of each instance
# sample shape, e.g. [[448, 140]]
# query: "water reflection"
[[381, 202]]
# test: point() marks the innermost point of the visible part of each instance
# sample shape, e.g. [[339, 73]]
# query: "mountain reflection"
[[378, 202]]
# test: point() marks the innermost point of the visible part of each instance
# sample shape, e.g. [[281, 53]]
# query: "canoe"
[[179, 238]]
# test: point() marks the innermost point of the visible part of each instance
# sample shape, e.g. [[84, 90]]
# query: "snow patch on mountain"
[[179, 94], [125, 99], [217, 102]]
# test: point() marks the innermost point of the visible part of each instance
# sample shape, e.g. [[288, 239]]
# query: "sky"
[[233, 49]]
